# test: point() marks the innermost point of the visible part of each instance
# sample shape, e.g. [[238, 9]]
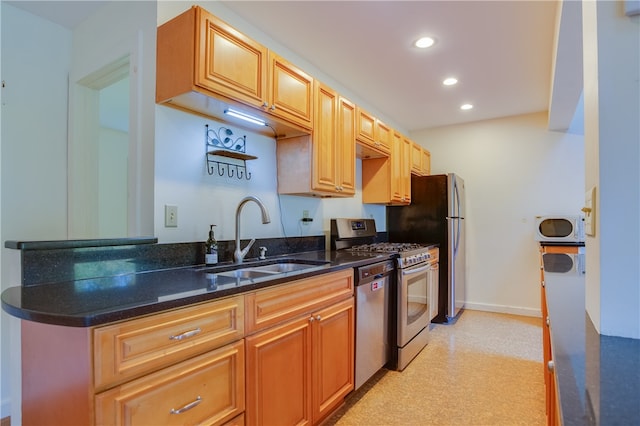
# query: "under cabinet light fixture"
[[246, 117], [465, 107]]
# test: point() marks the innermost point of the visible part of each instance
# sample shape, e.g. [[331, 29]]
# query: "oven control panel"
[[430, 255]]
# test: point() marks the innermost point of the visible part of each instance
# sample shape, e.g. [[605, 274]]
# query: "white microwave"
[[560, 229], [564, 263]]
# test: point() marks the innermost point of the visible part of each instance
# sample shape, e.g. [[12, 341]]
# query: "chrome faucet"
[[238, 254]]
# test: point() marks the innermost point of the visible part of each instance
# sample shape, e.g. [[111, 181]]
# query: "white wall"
[[182, 180], [34, 153], [36, 63], [514, 169], [612, 137]]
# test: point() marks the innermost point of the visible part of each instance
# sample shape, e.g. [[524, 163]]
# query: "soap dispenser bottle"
[[211, 249]]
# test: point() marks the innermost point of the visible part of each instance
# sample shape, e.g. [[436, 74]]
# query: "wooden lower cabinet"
[[277, 356], [300, 371], [208, 389], [551, 394], [135, 372]]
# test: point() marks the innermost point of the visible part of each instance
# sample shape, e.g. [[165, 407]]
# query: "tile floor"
[[486, 369]]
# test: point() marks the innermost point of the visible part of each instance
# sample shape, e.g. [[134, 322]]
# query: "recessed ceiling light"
[[450, 81], [466, 106], [424, 42]]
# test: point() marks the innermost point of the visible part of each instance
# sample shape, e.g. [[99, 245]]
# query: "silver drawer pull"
[[189, 406], [186, 334]]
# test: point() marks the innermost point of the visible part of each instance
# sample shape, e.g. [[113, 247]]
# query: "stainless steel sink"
[[248, 271], [245, 273], [278, 268]]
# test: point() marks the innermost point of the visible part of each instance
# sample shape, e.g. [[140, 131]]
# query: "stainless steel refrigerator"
[[436, 215]]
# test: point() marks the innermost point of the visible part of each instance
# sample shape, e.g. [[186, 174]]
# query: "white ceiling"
[[500, 51]]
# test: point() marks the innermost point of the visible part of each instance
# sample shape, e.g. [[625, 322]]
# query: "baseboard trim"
[[527, 312]]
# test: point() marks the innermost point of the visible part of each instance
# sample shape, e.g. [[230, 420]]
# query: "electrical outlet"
[[305, 217], [170, 216]]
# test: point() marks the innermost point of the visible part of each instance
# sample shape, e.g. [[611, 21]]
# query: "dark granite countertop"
[[598, 377], [97, 301]]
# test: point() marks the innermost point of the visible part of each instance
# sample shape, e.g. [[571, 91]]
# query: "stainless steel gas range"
[[412, 300]]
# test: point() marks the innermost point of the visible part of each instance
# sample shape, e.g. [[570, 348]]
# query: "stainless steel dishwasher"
[[373, 284]]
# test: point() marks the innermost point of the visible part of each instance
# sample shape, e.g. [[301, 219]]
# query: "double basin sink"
[[265, 269]]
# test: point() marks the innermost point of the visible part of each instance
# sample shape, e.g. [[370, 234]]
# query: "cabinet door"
[[346, 150], [396, 169], [290, 92], [324, 140], [405, 170], [333, 357], [384, 136], [365, 127], [230, 63], [416, 159], [426, 162], [279, 375], [208, 389]]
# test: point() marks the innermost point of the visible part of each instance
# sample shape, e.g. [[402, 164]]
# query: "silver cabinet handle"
[[318, 317], [187, 407], [265, 104], [273, 107], [550, 366], [547, 321], [311, 319], [186, 334]]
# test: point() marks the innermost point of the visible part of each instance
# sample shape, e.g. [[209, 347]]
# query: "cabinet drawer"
[[270, 306], [208, 389], [130, 349]]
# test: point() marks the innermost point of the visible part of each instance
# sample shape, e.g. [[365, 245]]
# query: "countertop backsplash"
[[46, 262]]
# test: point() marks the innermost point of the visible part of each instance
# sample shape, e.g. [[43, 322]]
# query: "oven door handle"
[[411, 271]]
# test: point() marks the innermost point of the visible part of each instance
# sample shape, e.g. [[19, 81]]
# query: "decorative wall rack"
[[222, 144]]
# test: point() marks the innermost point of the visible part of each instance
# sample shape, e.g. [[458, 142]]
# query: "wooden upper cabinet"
[[325, 140], [416, 159], [388, 180], [290, 92], [400, 170], [346, 151], [384, 136], [405, 170], [229, 62], [366, 127], [369, 132], [323, 163], [426, 162], [396, 169], [204, 65]]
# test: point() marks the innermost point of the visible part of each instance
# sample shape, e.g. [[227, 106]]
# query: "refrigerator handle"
[[455, 249], [457, 209]]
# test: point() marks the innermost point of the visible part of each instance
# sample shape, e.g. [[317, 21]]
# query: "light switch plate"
[[590, 212], [170, 216]]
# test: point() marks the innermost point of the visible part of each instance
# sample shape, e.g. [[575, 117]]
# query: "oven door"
[[413, 301]]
